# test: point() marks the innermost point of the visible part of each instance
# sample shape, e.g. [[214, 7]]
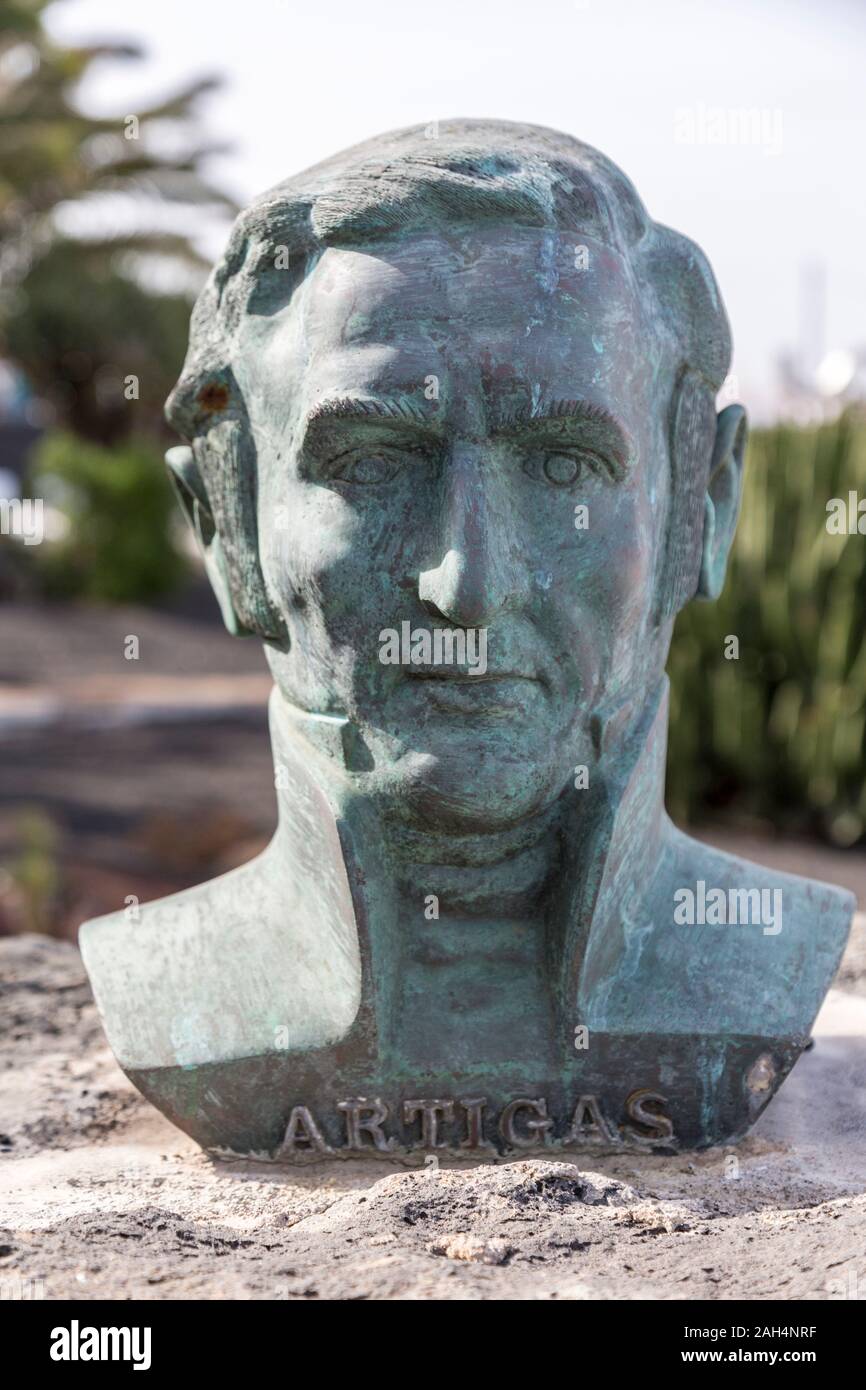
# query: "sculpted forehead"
[[504, 271], [549, 309]]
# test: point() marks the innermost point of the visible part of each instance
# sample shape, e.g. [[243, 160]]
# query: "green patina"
[[414, 364]]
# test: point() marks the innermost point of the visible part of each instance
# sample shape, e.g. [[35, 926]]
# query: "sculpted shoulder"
[[719, 944], [245, 964]]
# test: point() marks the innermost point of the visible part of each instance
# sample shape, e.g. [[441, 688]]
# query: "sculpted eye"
[[565, 467], [366, 468], [562, 469]]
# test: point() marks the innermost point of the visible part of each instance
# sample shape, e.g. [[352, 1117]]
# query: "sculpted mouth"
[[493, 694], [461, 677]]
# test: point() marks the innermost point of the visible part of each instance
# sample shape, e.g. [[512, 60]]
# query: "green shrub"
[[118, 512], [780, 734]]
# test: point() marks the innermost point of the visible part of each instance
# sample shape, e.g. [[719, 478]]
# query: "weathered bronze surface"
[[453, 455]]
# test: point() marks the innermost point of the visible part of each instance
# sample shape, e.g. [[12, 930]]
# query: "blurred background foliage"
[[81, 331], [53, 154], [779, 735], [93, 315], [117, 541]]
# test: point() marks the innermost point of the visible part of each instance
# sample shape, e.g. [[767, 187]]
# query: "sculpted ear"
[[722, 499], [692, 430], [192, 495]]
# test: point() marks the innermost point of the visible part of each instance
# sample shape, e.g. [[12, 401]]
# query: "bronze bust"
[[453, 455]]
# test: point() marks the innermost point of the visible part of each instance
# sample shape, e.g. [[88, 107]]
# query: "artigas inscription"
[[468, 1125]]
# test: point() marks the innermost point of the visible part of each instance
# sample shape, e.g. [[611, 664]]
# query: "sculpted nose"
[[478, 574]]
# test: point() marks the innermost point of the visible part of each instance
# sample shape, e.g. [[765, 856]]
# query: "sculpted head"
[[462, 382]]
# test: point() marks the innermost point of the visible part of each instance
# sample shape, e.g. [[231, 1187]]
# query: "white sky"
[[305, 80]]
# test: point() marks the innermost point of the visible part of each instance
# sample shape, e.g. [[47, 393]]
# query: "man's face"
[[462, 432]]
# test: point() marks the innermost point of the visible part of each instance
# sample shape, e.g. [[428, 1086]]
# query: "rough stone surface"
[[101, 1198]]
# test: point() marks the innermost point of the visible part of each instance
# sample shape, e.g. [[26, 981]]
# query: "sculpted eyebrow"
[[558, 419], [397, 409], [555, 417]]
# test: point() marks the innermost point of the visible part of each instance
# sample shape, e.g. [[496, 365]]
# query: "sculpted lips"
[[465, 677], [493, 693]]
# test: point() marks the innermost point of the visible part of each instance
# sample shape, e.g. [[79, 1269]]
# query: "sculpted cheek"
[[611, 592], [631, 565], [333, 574]]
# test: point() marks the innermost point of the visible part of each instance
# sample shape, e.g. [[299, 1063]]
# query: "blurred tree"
[[86, 315], [117, 544], [51, 152], [103, 350], [74, 312]]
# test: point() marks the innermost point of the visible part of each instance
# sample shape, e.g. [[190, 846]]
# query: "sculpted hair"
[[424, 179]]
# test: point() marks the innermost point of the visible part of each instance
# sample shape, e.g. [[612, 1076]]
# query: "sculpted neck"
[[503, 872], [512, 921], [499, 872]]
